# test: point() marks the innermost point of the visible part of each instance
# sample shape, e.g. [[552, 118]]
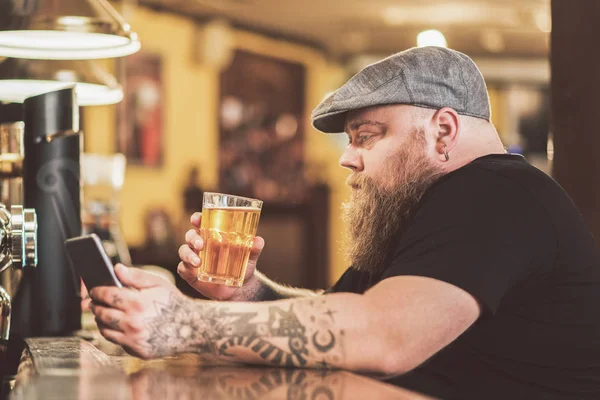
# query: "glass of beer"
[[228, 228]]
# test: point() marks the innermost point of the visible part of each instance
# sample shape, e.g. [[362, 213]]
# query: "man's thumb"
[[137, 278], [257, 248]]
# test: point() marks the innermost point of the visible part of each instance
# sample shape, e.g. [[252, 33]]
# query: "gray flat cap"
[[430, 77]]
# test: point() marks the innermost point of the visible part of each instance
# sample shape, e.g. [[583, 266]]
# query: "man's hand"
[[190, 262], [140, 321], [85, 298]]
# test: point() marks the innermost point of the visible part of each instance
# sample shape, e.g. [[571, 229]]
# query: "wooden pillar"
[[575, 95]]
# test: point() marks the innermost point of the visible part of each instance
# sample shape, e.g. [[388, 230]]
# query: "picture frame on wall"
[[261, 128], [140, 116]]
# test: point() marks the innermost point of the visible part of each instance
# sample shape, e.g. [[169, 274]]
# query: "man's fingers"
[[85, 304], [138, 278], [112, 297], [112, 335], [187, 255], [193, 238], [187, 273], [196, 218], [109, 318]]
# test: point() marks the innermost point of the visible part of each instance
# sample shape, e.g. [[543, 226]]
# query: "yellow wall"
[[498, 109], [190, 125]]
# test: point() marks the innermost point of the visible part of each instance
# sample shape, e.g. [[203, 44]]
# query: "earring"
[[446, 154]]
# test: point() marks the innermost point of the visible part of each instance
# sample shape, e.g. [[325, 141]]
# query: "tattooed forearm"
[[298, 333]]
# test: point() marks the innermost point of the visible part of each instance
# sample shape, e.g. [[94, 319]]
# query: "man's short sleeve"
[[480, 231]]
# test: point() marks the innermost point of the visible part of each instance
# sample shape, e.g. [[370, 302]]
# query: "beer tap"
[[18, 249], [18, 226]]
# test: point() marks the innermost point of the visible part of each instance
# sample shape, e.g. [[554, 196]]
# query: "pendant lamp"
[[20, 79], [64, 30]]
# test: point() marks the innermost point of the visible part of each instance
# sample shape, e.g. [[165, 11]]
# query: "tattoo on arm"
[[301, 333]]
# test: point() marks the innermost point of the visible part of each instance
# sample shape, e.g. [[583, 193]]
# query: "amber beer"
[[228, 234]]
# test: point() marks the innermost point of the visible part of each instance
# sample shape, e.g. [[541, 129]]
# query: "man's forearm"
[[263, 289], [309, 332]]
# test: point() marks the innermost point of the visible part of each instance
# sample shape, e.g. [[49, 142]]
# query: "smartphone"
[[91, 262]]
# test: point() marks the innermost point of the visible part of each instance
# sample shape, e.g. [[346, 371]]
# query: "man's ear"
[[447, 124]]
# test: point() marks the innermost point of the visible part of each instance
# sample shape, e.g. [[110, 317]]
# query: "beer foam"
[[232, 208]]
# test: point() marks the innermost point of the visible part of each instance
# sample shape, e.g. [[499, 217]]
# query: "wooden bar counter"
[[91, 368]]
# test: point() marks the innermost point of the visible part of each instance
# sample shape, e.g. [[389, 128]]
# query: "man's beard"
[[377, 216]]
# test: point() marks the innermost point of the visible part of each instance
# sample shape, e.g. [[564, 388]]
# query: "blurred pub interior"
[[219, 98]]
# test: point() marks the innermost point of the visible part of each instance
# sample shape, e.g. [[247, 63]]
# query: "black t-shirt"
[[510, 236]]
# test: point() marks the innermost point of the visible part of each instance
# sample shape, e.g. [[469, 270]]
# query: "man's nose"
[[352, 159]]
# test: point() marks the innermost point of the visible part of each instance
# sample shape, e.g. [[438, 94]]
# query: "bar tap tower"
[[48, 302], [18, 226]]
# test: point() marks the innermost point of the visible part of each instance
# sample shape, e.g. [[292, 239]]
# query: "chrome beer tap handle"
[[18, 237], [18, 249], [24, 237]]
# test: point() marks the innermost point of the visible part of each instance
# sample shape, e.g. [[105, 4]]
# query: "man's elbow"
[[391, 363], [380, 357], [391, 358]]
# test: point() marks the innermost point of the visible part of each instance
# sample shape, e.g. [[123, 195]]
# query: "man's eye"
[[364, 138]]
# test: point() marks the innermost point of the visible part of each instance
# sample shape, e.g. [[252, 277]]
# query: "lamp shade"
[[20, 79], [64, 30]]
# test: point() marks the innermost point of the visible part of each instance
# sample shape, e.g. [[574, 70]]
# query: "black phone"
[[91, 262]]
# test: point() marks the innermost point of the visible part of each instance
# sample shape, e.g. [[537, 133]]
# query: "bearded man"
[[473, 275]]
